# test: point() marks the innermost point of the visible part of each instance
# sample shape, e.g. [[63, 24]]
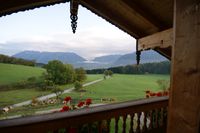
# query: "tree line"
[[13, 60], [153, 68]]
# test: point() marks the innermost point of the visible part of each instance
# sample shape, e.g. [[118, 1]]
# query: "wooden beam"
[[166, 52], [162, 39], [143, 12], [184, 104], [13, 6]]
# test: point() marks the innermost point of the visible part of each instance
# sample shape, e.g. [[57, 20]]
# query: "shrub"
[[31, 79], [78, 85], [163, 84]]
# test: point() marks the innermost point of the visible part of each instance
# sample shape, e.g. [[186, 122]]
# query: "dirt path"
[[53, 95]]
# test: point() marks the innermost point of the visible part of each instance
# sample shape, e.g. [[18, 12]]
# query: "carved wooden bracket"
[[138, 53], [74, 12], [161, 39]]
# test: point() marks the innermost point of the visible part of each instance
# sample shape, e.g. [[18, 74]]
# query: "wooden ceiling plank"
[[147, 15], [11, 6]]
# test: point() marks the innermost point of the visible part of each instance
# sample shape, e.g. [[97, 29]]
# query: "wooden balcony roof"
[[8, 7], [138, 18]]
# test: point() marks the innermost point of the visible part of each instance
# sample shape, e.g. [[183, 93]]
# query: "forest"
[[152, 68], [13, 60]]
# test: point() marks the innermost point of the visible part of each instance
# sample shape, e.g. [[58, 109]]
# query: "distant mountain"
[[108, 59], [44, 57], [146, 57], [98, 62]]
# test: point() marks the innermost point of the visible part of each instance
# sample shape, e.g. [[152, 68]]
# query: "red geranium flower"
[[152, 94], [80, 104], [88, 101], [67, 99], [159, 94], [65, 108], [61, 110]]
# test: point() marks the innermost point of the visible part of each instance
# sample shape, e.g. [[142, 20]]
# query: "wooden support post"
[[184, 104]]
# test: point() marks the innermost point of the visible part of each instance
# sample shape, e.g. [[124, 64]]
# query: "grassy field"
[[121, 87], [118, 87], [15, 96], [10, 73]]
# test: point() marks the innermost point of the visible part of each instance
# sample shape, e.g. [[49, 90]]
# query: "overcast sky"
[[49, 29]]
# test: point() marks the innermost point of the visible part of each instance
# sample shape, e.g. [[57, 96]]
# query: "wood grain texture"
[[161, 39], [184, 109]]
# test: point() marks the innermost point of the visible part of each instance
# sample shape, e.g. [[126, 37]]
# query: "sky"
[[49, 29]]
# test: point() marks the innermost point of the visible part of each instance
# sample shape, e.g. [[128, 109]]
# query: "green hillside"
[[10, 73]]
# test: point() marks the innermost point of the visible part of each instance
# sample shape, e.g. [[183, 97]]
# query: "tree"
[[106, 73], [56, 71], [110, 73], [13, 60], [70, 73], [80, 74], [59, 73]]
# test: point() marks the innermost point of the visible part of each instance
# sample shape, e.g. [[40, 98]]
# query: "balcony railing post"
[[116, 124], [138, 122], [156, 118], [145, 122], [99, 127], [151, 119], [124, 124], [131, 123], [161, 120], [108, 125]]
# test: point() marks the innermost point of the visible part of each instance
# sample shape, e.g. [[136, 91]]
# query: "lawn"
[[10, 73]]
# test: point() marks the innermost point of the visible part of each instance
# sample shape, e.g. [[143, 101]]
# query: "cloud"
[[87, 43], [94, 36]]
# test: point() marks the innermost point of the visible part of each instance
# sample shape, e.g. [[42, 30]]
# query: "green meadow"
[[15, 96], [120, 88], [10, 73]]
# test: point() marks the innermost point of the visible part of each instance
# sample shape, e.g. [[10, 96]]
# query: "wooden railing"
[[147, 115]]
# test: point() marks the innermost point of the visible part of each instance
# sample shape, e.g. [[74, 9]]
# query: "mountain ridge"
[[44, 57], [106, 59], [145, 57], [98, 62]]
